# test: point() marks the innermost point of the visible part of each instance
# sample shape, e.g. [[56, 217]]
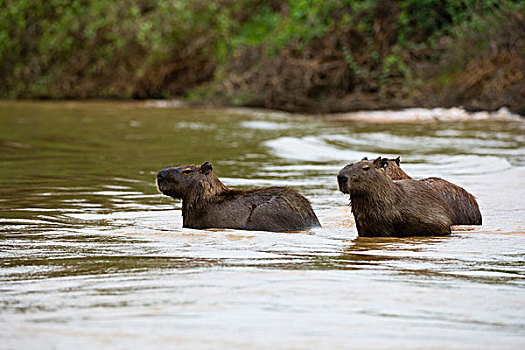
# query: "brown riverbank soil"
[[319, 78]]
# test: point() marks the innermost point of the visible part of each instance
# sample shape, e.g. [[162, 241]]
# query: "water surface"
[[92, 256]]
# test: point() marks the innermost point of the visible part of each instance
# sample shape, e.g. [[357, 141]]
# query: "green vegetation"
[[281, 54]]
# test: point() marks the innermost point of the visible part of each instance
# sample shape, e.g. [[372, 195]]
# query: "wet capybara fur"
[[464, 207], [208, 203], [388, 208]]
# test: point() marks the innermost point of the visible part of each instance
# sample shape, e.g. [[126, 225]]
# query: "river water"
[[92, 256]]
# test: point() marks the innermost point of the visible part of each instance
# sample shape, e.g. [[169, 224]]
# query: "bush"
[[96, 48], [251, 51]]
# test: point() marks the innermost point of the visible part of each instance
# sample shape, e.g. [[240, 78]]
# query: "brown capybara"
[[208, 203], [464, 207], [384, 207]]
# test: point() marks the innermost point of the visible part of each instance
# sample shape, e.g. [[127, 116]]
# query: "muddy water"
[[93, 257]]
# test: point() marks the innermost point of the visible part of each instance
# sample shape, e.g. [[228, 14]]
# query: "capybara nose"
[[342, 178], [161, 175]]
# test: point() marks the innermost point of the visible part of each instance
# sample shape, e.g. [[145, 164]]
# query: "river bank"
[[306, 56]]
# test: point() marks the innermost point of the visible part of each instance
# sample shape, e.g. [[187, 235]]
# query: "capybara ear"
[[365, 158], [377, 162], [398, 160], [206, 168]]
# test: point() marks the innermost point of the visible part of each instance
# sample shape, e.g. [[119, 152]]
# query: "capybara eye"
[[187, 171], [366, 168]]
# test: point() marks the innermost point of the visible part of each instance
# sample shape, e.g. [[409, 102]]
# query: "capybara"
[[464, 207], [208, 203], [384, 207]]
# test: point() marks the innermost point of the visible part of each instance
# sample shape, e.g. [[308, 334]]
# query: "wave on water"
[[265, 125], [411, 115], [408, 144], [420, 164], [439, 165], [312, 149]]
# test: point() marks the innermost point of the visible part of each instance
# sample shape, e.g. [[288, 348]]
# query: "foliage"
[[139, 48], [110, 49]]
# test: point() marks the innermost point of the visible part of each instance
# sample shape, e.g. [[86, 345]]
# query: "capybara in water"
[[464, 207], [384, 207], [208, 203]]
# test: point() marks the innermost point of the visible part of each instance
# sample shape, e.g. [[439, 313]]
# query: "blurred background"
[[294, 55]]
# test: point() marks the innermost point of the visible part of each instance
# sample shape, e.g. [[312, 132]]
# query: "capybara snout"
[[342, 181], [168, 181], [163, 175]]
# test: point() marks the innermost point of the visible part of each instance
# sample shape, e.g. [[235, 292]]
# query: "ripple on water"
[[93, 256]]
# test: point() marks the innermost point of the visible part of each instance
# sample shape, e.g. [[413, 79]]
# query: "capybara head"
[[360, 176], [178, 182], [393, 169]]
